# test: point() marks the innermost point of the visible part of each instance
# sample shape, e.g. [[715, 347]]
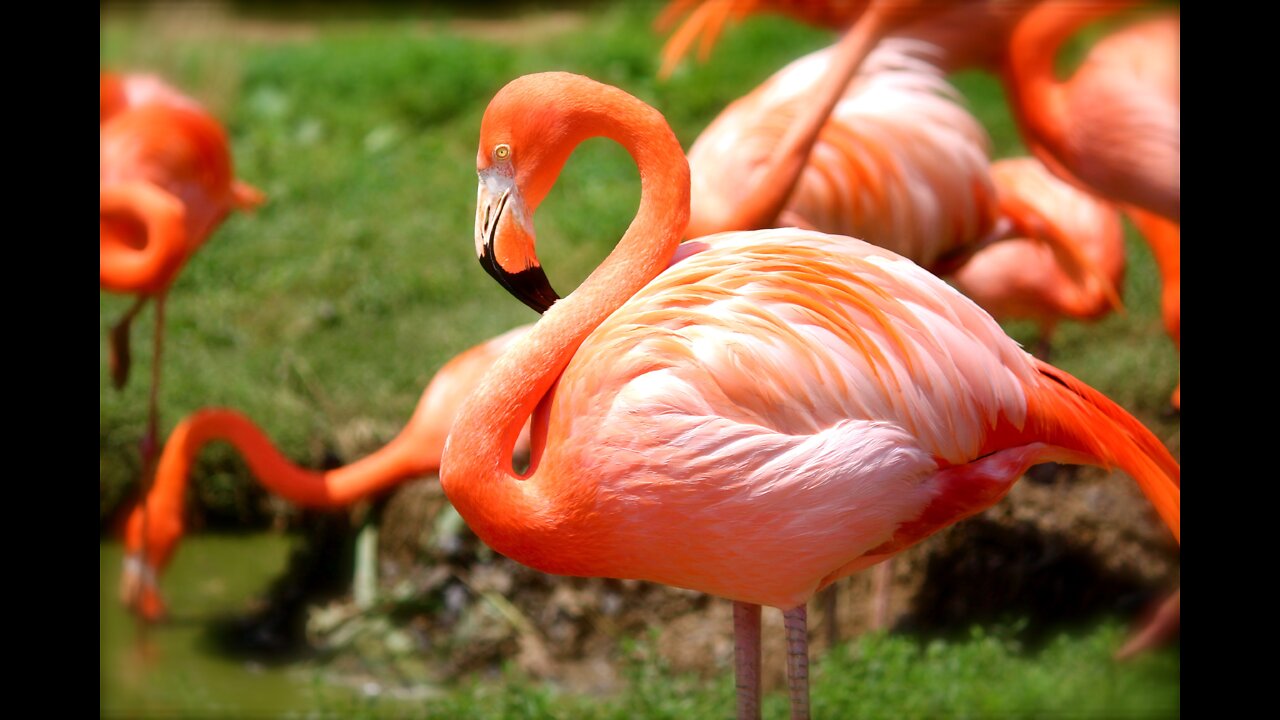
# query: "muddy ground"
[[1060, 551]]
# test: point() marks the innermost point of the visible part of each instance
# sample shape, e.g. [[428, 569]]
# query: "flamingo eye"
[[502, 152]]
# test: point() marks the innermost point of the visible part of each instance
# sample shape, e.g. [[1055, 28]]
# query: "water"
[[173, 669]]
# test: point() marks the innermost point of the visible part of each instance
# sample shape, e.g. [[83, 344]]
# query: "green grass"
[[985, 675]]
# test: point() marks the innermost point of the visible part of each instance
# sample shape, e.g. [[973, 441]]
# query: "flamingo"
[[1021, 278], [117, 93], [165, 184], [751, 414], [890, 155], [963, 33], [151, 542], [1114, 127]]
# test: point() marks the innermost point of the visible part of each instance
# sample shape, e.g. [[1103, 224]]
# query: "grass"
[[327, 311], [987, 674]]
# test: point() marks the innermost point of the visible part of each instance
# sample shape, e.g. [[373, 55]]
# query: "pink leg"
[[881, 584], [746, 650], [796, 621], [1159, 630], [829, 598]]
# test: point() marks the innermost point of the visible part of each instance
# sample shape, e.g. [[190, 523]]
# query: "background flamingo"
[[165, 184], [962, 33], [155, 527], [1114, 126], [1021, 278], [898, 160], [776, 410]]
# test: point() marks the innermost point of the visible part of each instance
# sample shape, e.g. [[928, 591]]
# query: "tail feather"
[[1073, 415]]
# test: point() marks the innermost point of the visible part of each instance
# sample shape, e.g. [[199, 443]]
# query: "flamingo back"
[[1022, 277], [901, 163], [180, 151]]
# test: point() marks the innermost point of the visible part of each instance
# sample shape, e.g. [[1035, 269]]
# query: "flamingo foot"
[[746, 657], [1157, 631], [796, 621]]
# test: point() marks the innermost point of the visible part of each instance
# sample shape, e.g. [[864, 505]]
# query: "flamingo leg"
[[118, 357], [881, 585], [829, 605], [151, 440], [796, 621], [1159, 630], [746, 651]]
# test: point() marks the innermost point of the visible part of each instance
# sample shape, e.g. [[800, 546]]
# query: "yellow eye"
[[502, 152]]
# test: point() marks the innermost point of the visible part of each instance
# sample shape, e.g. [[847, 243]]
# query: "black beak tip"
[[530, 285]]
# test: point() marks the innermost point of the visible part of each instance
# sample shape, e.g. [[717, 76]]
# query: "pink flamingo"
[[155, 527], [1021, 278], [768, 413], [165, 184]]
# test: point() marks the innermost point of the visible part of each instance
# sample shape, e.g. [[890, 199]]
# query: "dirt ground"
[[1062, 550]]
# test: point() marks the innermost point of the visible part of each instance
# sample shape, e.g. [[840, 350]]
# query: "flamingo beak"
[[139, 589], [505, 241]]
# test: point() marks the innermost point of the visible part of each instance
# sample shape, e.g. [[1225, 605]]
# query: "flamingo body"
[[1021, 278], [899, 162], [769, 412]]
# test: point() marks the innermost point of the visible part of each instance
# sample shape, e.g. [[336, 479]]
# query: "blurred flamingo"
[[960, 33], [1021, 278], [771, 411], [117, 93], [891, 156], [165, 184], [151, 542], [1114, 127]]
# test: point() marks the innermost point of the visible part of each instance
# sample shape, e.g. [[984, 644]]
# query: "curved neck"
[[141, 237], [398, 460], [1036, 95], [773, 184], [476, 471]]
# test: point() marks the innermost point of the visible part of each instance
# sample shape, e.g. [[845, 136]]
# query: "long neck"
[[476, 471], [398, 460], [773, 184], [1036, 95]]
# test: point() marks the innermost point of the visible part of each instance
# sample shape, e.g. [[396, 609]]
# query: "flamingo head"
[[149, 545], [528, 132]]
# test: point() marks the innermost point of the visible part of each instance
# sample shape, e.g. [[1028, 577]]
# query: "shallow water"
[[174, 669]]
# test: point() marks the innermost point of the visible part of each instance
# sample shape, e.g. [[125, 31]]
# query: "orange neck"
[[1036, 95], [399, 460], [512, 513]]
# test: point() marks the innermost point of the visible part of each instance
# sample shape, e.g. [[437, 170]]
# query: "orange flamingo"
[[1114, 127], [414, 452], [1022, 278], [962, 33], [773, 410], [165, 183], [890, 155]]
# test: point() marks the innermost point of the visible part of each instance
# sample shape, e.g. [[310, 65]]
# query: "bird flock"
[[789, 369]]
